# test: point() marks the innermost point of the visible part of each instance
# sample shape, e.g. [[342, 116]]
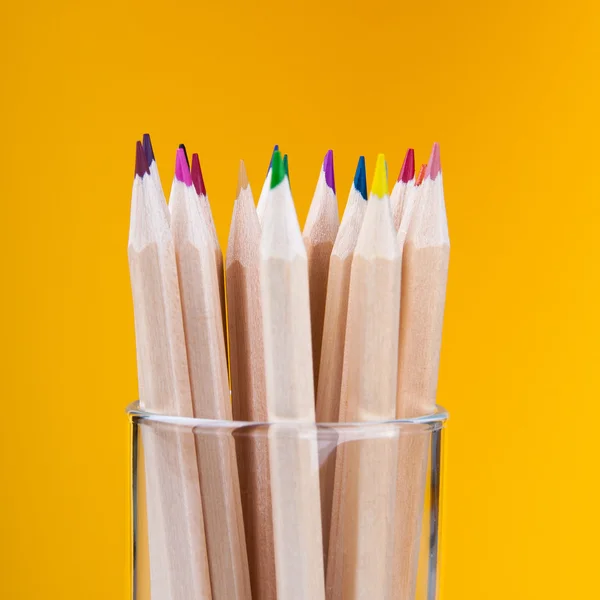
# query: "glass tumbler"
[[228, 510]]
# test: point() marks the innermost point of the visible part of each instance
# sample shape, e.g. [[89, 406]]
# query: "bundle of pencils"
[[340, 322]]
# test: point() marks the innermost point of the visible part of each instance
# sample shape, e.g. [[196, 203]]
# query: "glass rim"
[[432, 421]]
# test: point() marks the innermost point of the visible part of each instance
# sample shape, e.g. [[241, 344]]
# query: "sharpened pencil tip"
[[408, 167], [182, 171], [286, 167], [148, 149], [182, 146], [141, 164], [277, 170], [197, 177], [275, 149], [242, 183], [360, 178], [434, 166], [328, 170], [380, 184], [421, 175]]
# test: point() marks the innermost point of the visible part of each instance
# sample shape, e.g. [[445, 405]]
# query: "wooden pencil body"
[[248, 391], [424, 277], [293, 458], [332, 350], [209, 383], [178, 555]]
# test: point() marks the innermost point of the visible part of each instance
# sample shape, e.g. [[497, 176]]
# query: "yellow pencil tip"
[[380, 183]]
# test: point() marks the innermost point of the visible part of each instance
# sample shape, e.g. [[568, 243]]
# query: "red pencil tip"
[[408, 167], [141, 164], [182, 171], [434, 166], [197, 176], [421, 175]]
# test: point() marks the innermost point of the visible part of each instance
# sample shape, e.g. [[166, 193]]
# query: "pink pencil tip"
[[408, 167], [182, 171], [434, 166]]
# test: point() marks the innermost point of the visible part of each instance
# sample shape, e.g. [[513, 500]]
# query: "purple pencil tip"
[[182, 171], [148, 149], [141, 164], [328, 170], [408, 167]]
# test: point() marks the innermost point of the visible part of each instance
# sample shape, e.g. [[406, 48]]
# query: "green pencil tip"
[[277, 169]]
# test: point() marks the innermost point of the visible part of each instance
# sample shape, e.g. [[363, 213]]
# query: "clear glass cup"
[[282, 511]]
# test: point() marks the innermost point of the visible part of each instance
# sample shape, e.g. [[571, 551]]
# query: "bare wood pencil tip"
[[408, 167], [197, 177], [141, 163], [421, 175], [242, 183]]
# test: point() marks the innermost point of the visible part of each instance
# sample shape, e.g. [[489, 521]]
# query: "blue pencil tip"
[[360, 178], [275, 149]]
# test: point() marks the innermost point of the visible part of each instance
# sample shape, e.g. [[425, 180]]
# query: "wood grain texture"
[[248, 387], [178, 555], [320, 231], [332, 350], [361, 542], [290, 400], [425, 272], [210, 394]]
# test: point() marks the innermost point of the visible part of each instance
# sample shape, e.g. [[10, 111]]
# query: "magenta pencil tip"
[[408, 167], [141, 164], [434, 166], [328, 170], [182, 171], [197, 176]]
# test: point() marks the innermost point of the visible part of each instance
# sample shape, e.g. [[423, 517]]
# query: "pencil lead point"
[[242, 183], [434, 166], [277, 170], [182, 146], [182, 171], [275, 149], [286, 168], [148, 149], [360, 178], [421, 175], [408, 167], [197, 177], [141, 164], [380, 184], [328, 170]]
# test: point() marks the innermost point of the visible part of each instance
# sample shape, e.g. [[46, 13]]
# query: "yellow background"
[[510, 90]]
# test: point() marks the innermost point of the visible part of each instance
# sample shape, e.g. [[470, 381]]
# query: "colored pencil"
[[368, 467], [406, 180], [334, 334], [320, 230], [264, 193], [290, 396], [207, 365], [178, 556], [154, 175], [247, 368], [425, 272]]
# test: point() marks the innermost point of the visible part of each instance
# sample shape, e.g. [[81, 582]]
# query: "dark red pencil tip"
[[434, 166], [182, 171], [141, 164], [421, 175], [148, 149], [197, 176], [407, 172]]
